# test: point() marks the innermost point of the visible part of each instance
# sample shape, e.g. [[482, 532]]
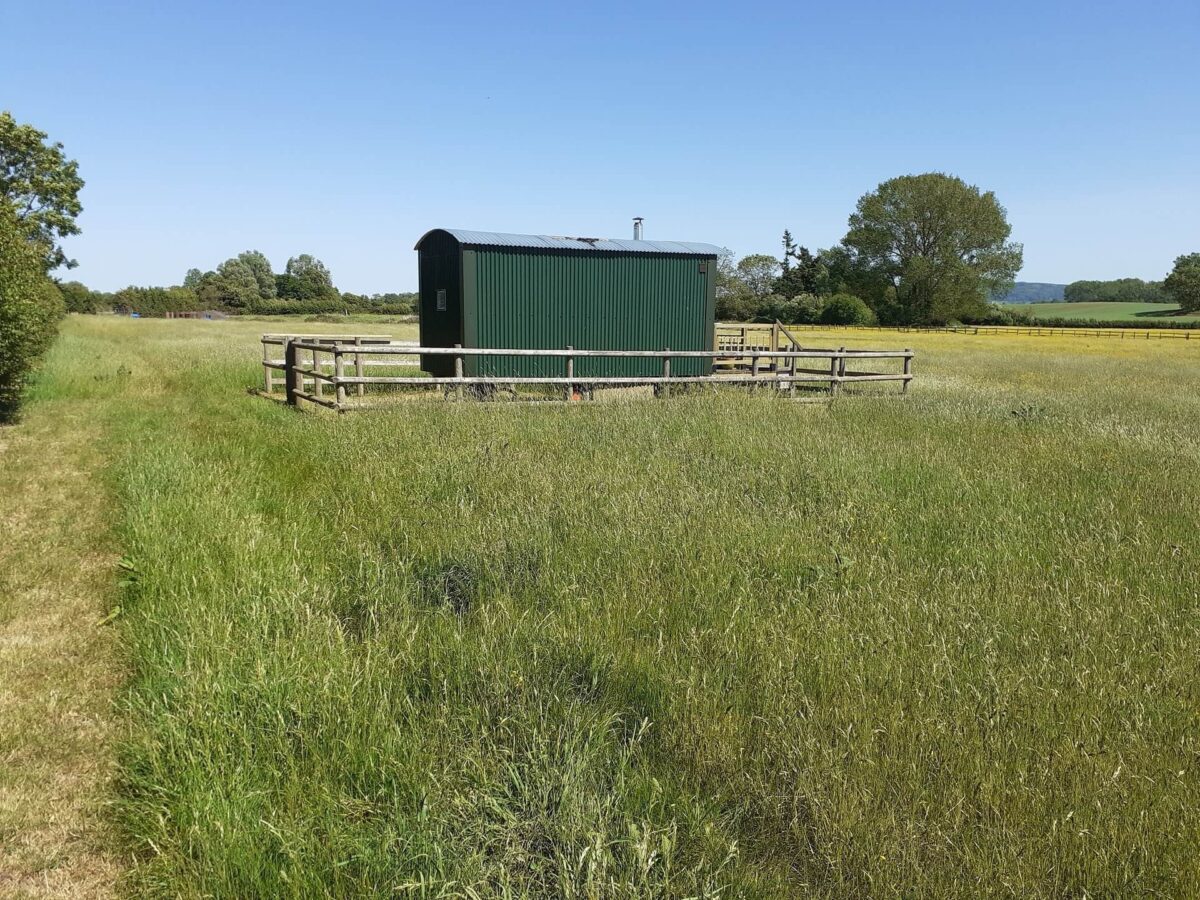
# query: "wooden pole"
[[833, 375], [570, 375], [907, 371], [666, 388], [291, 379], [458, 373], [339, 388], [267, 376], [318, 385], [358, 366]]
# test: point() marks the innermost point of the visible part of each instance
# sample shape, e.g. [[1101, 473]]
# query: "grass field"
[[1148, 313], [943, 645]]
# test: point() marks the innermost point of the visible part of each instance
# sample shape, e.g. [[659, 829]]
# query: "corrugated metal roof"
[[551, 242]]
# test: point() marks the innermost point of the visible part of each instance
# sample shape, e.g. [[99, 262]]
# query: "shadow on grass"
[[1170, 313]]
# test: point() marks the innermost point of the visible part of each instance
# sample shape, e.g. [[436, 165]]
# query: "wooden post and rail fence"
[[346, 365], [1130, 333]]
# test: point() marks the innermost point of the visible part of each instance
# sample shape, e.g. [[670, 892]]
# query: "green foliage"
[[78, 298], [1120, 290], [42, 187], [789, 251], [1183, 284], [402, 304], [803, 309], [245, 284], [846, 309], [155, 301], [305, 278], [739, 307], [235, 285], [259, 267], [30, 308], [935, 246], [756, 273], [812, 309], [803, 273]]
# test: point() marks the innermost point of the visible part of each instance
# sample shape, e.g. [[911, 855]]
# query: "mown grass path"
[[58, 664]]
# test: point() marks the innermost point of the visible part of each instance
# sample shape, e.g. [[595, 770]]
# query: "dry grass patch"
[[57, 668]]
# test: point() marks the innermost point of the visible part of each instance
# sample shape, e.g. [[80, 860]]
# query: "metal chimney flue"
[[637, 228]]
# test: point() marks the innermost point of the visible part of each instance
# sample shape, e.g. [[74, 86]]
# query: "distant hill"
[[1032, 292]]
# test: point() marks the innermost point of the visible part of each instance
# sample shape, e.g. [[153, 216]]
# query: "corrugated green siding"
[[598, 301]]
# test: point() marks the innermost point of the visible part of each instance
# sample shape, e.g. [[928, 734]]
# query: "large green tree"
[[30, 307], [803, 273], [78, 298], [234, 285], [41, 187], [757, 272], [260, 268], [935, 247], [1183, 284], [305, 278]]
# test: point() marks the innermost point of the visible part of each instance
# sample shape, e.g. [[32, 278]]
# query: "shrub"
[[79, 299], [846, 309], [736, 308], [30, 307], [155, 301]]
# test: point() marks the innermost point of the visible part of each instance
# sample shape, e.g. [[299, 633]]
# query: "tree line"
[[920, 249], [1181, 286], [245, 283], [1118, 290]]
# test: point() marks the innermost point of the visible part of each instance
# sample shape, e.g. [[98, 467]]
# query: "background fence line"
[[1181, 334]]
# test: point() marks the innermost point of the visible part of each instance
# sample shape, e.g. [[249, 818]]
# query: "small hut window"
[[441, 300]]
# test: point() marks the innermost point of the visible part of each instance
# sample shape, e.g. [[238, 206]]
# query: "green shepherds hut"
[[522, 291]]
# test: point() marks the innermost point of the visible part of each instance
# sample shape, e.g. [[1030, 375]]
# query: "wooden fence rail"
[[312, 363], [1132, 333]]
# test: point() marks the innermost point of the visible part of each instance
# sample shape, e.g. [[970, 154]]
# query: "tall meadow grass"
[[724, 644]]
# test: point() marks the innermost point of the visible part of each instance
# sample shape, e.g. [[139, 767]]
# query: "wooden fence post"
[[339, 389], [833, 375], [570, 393], [666, 388], [267, 370], [907, 370], [458, 373], [358, 365], [291, 379]]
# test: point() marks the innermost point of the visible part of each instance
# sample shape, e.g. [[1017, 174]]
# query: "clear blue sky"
[[348, 129]]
